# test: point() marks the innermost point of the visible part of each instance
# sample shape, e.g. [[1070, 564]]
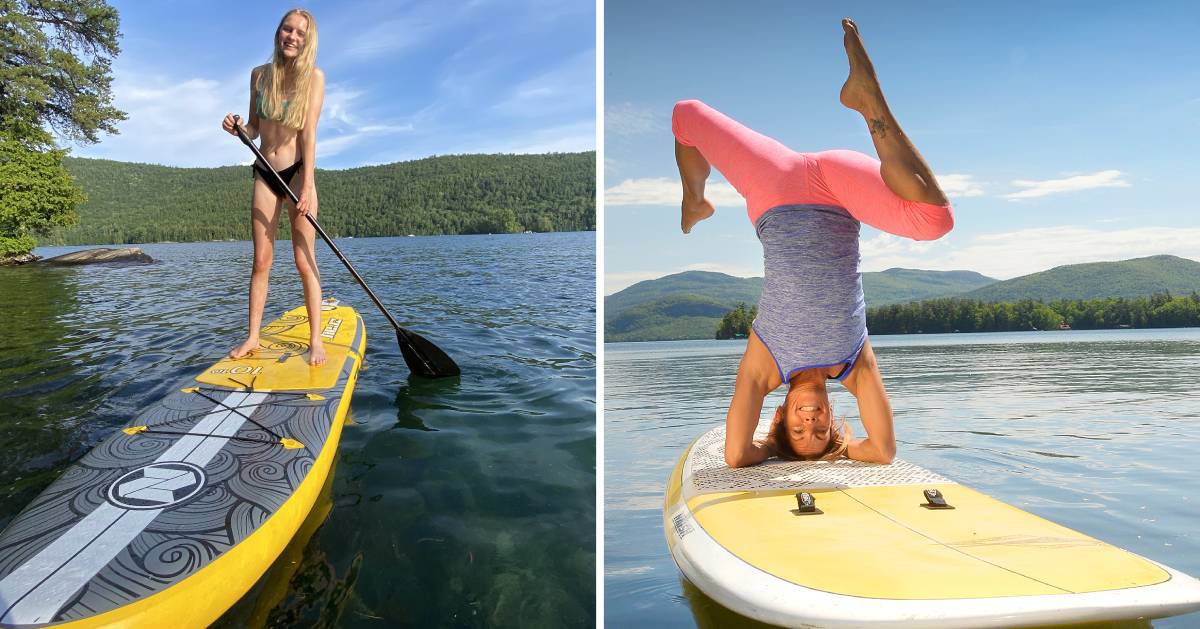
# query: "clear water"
[[1098, 431], [463, 503]]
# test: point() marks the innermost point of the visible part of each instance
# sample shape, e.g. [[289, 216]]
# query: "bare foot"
[[693, 212], [245, 349], [861, 92], [316, 352]]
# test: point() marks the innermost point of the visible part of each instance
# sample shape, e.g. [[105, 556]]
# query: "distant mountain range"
[[1097, 280], [690, 305]]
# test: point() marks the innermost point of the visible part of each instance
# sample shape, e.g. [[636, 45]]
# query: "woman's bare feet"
[[245, 349], [861, 92], [316, 351], [693, 211]]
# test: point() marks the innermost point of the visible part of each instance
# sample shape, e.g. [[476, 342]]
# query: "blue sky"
[[1064, 132], [404, 80]]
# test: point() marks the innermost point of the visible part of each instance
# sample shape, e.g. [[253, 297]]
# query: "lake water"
[[465, 502], [1098, 431]]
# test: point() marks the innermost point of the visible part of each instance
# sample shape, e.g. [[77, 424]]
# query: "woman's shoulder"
[[257, 71]]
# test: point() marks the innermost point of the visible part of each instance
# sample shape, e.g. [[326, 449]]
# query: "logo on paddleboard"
[[157, 486], [331, 328]]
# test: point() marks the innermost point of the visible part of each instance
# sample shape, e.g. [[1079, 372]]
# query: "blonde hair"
[[298, 73], [839, 441]]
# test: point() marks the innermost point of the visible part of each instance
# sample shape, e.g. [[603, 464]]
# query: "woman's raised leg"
[[897, 193], [693, 171], [903, 169], [758, 167], [264, 219]]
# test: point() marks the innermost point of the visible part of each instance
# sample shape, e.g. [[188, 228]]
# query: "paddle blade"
[[423, 357]]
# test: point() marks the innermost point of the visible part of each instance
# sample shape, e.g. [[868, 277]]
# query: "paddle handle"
[[241, 133]]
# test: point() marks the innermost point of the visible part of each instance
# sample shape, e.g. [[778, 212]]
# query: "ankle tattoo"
[[878, 127]]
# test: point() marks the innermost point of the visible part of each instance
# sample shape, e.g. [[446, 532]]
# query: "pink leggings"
[[769, 174]]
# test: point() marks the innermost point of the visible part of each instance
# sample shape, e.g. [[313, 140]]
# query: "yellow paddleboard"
[[173, 518], [874, 550]]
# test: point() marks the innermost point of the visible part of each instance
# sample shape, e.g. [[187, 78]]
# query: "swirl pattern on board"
[[247, 480]]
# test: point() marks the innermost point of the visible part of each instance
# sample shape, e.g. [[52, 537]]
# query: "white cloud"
[[390, 37], [569, 137], [666, 191], [1033, 188], [885, 246], [335, 108], [614, 282], [1010, 254], [959, 185], [630, 119], [172, 121]]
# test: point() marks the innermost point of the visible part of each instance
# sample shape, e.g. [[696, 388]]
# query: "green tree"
[[55, 76], [736, 322], [37, 193]]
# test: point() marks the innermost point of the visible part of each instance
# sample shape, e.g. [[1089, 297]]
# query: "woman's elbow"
[[738, 458], [886, 453]]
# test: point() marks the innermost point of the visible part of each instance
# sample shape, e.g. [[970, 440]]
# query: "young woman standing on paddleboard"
[[806, 208], [285, 103]]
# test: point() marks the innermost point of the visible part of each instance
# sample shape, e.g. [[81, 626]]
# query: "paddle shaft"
[[324, 236]]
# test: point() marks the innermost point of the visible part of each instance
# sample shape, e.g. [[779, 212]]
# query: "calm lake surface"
[[1098, 431], [460, 503]]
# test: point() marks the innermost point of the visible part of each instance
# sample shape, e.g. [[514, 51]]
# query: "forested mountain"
[[690, 305], [453, 194], [1158, 291], [1094, 280], [895, 286], [685, 305]]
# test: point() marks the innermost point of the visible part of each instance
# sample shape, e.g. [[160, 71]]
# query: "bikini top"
[[812, 312], [258, 107]]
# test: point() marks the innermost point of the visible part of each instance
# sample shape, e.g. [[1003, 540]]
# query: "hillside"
[[684, 306], [455, 194], [1127, 278], [895, 286], [690, 305]]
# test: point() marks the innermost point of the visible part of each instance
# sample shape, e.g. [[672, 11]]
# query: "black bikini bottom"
[[287, 174]]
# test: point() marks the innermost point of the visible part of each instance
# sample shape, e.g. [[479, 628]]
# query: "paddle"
[[423, 357]]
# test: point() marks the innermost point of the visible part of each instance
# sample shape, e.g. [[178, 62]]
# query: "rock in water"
[[24, 258], [93, 256]]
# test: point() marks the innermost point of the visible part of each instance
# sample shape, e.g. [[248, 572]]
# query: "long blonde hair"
[[271, 79]]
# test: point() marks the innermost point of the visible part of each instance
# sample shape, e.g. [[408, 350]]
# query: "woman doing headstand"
[[806, 208], [285, 102]]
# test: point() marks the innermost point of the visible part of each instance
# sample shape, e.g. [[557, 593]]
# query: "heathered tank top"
[[812, 312]]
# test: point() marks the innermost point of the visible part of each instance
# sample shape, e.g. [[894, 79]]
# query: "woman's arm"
[[865, 383], [757, 376], [251, 125], [308, 144]]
